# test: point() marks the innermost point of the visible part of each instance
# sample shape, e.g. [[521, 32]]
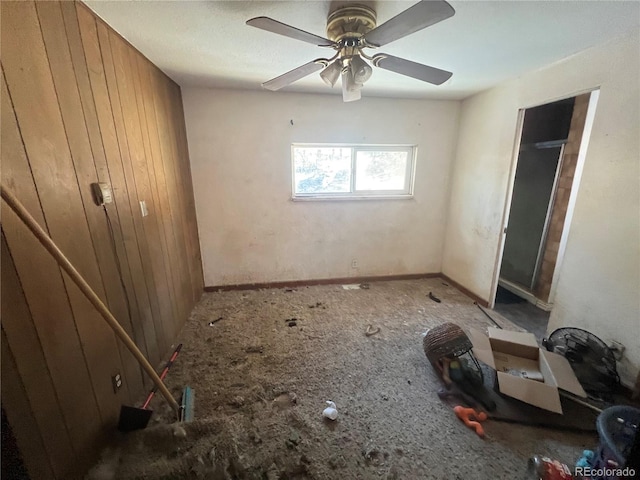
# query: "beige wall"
[[251, 230], [599, 282]]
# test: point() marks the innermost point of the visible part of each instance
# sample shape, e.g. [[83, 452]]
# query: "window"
[[352, 171]]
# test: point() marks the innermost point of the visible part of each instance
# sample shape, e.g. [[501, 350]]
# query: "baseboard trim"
[[320, 281], [479, 300], [346, 280]]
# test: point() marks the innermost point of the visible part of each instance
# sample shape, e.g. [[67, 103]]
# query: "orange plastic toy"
[[466, 415]]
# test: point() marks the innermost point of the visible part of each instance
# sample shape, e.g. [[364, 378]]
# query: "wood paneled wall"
[[80, 105]]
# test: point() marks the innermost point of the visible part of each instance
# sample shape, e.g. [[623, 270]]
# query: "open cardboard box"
[[525, 371]]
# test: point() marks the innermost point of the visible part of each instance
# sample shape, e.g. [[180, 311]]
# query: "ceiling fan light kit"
[[360, 69], [331, 73], [350, 89], [352, 28]]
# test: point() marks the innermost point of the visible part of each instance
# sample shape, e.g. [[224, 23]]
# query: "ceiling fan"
[[351, 29]]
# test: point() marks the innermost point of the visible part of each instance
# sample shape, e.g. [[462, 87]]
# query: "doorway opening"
[[537, 214]]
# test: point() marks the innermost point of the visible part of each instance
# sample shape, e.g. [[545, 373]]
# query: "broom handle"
[[66, 265], [163, 374]]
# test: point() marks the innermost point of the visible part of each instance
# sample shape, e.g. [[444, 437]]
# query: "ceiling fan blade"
[[271, 25], [294, 75], [411, 69], [421, 15]]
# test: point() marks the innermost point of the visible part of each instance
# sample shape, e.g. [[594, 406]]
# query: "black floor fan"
[[591, 359]]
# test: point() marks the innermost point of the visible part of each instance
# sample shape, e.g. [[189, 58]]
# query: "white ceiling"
[[207, 44]]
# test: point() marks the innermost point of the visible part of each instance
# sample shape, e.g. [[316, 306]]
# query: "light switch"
[[143, 208]]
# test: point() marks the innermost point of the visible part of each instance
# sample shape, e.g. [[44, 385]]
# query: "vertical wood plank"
[[82, 155], [137, 174], [161, 198], [31, 366], [113, 74], [171, 216], [157, 242], [180, 271], [182, 169], [169, 154], [20, 416], [196, 257], [165, 90], [118, 278], [172, 184], [50, 309], [35, 103], [94, 94], [116, 151]]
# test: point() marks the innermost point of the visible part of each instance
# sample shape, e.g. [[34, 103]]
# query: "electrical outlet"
[[116, 380], [354, 263]]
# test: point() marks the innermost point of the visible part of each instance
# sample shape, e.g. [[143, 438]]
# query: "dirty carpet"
[[263, 363]]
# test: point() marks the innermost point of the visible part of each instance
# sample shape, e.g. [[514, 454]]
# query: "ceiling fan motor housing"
[[352, 21]]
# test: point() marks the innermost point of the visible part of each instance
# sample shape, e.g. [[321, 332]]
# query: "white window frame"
[[404, 194]]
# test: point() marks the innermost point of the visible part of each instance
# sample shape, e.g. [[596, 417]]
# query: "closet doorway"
[[544, 178]]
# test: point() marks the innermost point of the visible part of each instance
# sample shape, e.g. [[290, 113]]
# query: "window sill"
[[342, 198]]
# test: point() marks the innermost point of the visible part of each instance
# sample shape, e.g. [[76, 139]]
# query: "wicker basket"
[[445, 340], [449, 340]]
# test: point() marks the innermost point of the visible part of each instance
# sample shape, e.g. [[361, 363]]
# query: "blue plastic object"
[[586, 459], [617, 427], [187, 404]]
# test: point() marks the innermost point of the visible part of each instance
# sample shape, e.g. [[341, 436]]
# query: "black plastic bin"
[[617, 427]]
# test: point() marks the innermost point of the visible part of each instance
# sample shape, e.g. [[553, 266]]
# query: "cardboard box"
[[525, 371]]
